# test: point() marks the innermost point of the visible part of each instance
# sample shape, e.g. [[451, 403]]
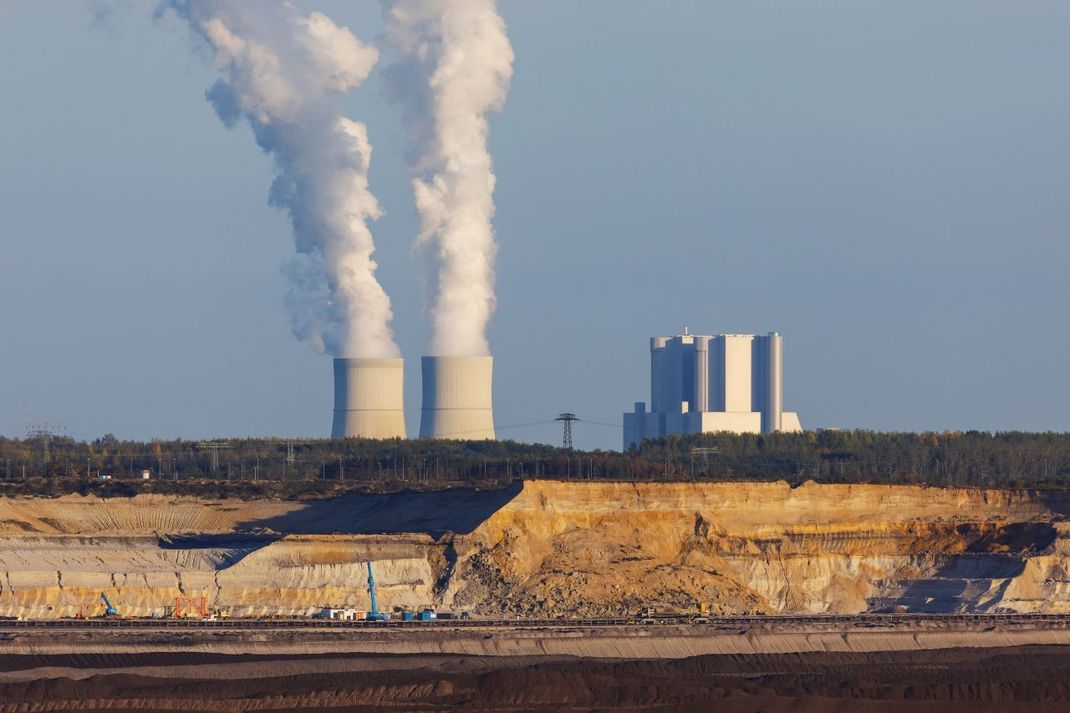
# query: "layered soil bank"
[[547, 548], [772, 635], [1032, 679]]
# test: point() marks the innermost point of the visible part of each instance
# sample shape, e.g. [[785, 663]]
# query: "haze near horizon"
[[884, 185]]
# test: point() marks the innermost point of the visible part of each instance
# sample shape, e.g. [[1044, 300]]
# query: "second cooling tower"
[[369, 398], [457, 400]]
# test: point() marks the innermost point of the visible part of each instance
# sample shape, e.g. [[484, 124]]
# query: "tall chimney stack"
[[457, 398], [369, 398]]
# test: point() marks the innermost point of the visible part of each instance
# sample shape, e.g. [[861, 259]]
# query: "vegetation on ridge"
[[274, 467]]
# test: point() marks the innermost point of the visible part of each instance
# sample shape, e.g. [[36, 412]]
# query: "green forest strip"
[[49, 465]]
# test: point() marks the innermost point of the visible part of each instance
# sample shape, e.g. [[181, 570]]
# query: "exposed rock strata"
[[548, 548]]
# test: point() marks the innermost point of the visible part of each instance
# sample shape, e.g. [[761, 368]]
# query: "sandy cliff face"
[[547, 548], [602, 548], [62, 576]]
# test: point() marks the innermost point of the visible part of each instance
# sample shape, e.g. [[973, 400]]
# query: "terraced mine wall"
[[547, 548]]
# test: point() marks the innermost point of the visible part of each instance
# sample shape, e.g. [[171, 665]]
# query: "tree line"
[[972, 459]]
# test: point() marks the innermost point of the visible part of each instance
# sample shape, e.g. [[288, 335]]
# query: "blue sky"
[[887, 184]]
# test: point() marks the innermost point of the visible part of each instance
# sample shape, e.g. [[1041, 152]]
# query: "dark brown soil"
[[946, 681]]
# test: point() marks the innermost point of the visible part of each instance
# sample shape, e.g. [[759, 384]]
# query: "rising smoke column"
[[455, 65], [279, 70]]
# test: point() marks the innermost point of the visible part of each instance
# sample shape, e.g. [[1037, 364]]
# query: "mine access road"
[[834, 621]]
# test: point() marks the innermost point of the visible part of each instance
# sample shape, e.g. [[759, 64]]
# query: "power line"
[[498, 428], [602, 423]]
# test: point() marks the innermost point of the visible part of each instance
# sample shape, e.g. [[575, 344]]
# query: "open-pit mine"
[[546, 549], [948, 585]]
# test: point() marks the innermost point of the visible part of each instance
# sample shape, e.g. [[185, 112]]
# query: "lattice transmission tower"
[[214, 447], [566, 438], [43, 432]]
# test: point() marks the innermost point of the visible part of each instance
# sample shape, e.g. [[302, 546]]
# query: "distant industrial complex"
[[710, 383], [698, 384]]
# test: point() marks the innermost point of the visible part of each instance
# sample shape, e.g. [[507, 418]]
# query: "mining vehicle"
[[667, 613], [109, 610], [375, 614]]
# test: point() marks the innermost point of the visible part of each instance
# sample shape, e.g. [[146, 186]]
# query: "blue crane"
[[109, 610], [374, 614]]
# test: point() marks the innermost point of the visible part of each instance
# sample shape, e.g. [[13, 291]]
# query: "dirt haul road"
[[947, 667]]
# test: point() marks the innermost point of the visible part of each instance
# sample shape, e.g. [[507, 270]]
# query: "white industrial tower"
[[457, 398], [710, 383], [369, 398]]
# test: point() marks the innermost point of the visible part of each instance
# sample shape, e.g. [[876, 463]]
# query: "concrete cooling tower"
[[457, 398], [368, 398]]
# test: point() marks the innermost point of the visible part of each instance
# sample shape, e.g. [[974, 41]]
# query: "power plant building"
[[712, 383]]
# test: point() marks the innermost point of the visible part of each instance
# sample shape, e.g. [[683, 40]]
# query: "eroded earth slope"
[[547, 548]]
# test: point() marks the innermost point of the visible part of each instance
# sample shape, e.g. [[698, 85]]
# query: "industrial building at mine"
[[711, 383]]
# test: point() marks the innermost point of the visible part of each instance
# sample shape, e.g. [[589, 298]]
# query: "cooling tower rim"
[[476, 357], [370, 361]]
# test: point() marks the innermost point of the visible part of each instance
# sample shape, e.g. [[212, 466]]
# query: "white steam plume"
[[455, 65], [279, 69]]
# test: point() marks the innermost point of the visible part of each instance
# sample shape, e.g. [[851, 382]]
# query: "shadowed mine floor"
[[998, 679]]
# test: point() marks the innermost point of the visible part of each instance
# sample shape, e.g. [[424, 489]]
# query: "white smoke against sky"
[[279, 69], [455, 63]]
